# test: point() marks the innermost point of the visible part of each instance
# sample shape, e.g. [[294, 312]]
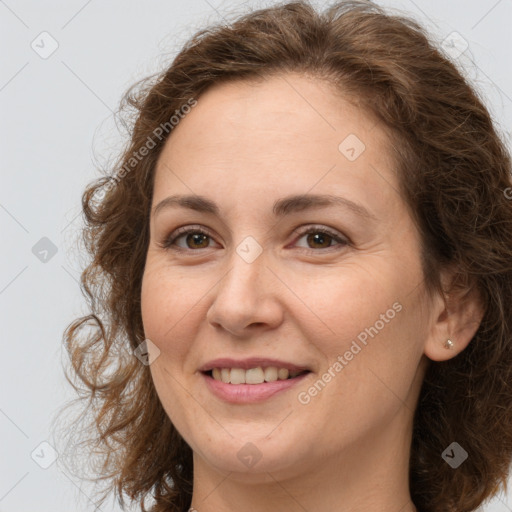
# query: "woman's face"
[[335, 288]]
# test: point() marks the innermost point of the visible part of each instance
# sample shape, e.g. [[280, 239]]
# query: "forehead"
[[287, 106], [286, 133]]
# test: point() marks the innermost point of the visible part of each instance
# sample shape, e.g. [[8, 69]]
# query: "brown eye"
[[194, 239], [191, 239], [321, 238]]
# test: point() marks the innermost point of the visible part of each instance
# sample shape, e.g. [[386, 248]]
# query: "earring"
[[449, 344]]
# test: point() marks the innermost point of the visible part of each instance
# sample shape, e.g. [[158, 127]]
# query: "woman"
[[301, 282]]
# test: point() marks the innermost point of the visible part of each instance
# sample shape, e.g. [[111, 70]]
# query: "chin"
[[251, 458]]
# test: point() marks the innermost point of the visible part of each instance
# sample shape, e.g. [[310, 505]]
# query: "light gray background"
[[55, 112]]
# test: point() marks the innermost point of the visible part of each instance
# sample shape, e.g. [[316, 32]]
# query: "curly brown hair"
[[455, 176]]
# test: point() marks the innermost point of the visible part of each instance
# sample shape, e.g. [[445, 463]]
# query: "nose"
[[247, 298]]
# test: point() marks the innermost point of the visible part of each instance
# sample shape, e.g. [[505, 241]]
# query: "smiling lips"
[[256, 375], [250, 380]]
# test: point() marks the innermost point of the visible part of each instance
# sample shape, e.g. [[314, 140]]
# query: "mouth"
[[249, 386], [253, 376]]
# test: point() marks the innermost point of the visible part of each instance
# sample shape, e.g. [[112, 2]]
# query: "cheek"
[[173, 308], [161, 310], [152, 295], [164, 301], [371, 337], [343, 303]]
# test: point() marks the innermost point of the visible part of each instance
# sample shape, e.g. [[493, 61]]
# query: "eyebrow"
[[281, 207]]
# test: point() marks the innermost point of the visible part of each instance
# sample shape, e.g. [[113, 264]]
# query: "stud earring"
[[449, 344]]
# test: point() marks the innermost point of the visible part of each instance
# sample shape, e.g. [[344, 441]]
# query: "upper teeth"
[[253, 375]]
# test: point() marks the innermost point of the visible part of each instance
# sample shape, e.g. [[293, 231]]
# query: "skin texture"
[[244, 146]]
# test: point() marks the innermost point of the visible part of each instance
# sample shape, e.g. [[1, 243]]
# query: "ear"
[[456, 315]]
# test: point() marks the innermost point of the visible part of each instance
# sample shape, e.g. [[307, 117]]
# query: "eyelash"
[[175, 235]]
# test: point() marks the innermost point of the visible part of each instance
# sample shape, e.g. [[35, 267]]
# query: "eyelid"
[[342, 240], [168, 241], [314, 228]]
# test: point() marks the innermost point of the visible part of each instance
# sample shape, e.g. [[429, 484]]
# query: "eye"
[[198, 238], [320, 236], [195, 238]]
